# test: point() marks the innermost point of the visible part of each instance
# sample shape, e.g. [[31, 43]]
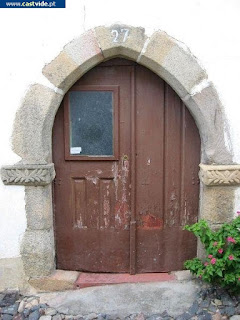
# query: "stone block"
[[183, 275], [28, 175], [225, 175], [39, 207], [38, 265], [37, 242], [173, 62], [63, 275], [85, 51], [77, 58], [121, 40], [37, 251], [62, 71], [33, 123], [58, 281], [208, 113], [217, 204]]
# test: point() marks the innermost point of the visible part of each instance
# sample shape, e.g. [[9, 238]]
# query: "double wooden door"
[[126, 152]]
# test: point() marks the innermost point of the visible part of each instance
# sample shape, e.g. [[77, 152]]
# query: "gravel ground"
[[212, 303]]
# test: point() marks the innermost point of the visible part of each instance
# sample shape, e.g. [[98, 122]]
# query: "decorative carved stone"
[[28, 175], [219, 175]]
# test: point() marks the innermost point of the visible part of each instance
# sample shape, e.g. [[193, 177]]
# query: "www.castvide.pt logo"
[[32, 4]]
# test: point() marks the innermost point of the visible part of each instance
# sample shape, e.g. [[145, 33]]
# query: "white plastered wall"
[[30, 38]]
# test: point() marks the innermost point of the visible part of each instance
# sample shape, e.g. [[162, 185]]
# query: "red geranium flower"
[[230, 239]]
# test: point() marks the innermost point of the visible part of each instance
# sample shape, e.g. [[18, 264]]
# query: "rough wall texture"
[[12, 274]]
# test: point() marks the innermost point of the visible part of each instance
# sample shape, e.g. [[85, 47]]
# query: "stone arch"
[[31, 139]]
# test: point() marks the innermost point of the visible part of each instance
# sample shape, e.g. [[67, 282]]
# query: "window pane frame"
[[67, 127]]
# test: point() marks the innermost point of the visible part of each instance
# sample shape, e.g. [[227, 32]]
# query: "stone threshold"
[[61, 280], [98, 279]]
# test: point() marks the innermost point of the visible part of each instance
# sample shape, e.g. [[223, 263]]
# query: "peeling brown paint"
[[116, 177], [122, 211], [106, 208], [93, 179], [122, 215]]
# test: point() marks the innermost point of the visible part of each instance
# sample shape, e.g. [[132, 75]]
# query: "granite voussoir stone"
[[121, 40], [85, 51], [173, 62]]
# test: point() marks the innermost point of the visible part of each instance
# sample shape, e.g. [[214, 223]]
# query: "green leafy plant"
[[222, 263]]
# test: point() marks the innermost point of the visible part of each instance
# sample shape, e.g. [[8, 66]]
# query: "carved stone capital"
[[28, 174], [219, 175]]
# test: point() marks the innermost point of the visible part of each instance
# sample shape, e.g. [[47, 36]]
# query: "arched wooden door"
[[126, 152]]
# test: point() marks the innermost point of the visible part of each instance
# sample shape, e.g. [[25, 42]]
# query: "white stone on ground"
[[45, 318]]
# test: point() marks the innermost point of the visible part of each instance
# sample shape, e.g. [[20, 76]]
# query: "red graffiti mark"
[[151, 222]]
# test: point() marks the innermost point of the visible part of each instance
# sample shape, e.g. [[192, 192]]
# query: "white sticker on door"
[[76, 150]]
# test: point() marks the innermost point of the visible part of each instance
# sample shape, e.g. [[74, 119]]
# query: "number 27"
[[115, 33]]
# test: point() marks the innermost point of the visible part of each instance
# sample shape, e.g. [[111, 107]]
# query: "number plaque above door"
[[91, 123]]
